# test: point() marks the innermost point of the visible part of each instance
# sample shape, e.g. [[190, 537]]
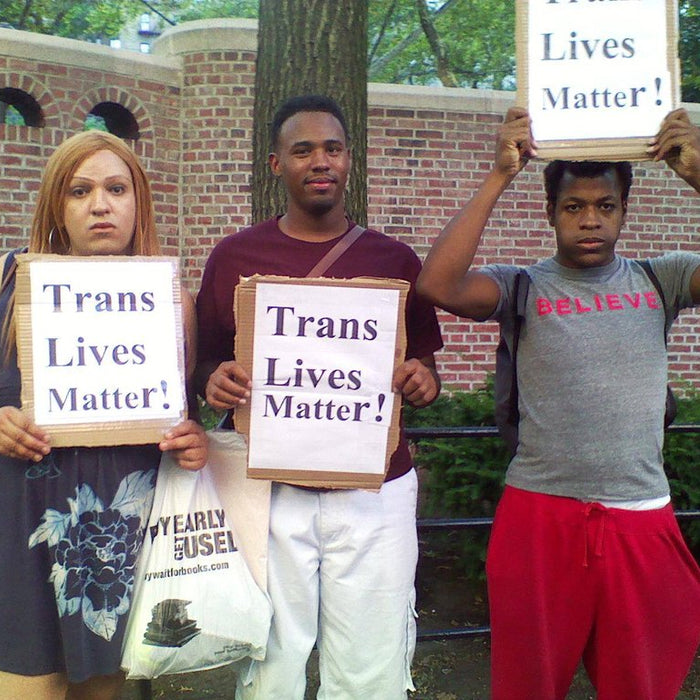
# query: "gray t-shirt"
[[592, 374]]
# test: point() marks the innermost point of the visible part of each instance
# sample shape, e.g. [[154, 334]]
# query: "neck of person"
[[312, 227]]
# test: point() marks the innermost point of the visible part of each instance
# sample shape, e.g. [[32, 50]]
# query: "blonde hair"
[[48, 233]]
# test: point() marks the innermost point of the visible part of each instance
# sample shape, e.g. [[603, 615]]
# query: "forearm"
[[687, 166], [693, 179]]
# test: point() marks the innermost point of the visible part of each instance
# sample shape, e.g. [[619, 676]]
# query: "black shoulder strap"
[[671, 405], [646, 266], [8, 270], [520, 290], [336, 251]]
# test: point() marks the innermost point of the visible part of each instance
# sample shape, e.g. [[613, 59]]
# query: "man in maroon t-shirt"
[[341, 563]]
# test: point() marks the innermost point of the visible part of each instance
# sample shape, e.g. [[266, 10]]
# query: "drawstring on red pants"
[[598, 551]]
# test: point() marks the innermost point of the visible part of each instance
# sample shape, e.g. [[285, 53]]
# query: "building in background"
[[139, 33]]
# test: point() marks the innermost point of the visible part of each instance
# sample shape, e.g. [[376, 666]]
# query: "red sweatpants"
[[570, 581]]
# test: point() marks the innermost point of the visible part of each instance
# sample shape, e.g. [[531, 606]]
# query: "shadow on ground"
[[457, 669], [454, 670]]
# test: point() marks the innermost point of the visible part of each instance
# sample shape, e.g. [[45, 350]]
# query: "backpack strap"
[[671, 315], [671, 404], [521, 287], [336, 251], [8, 262]]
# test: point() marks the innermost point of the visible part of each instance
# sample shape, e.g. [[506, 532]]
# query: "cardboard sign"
[[100, 347], [597, 77], [321, 354]]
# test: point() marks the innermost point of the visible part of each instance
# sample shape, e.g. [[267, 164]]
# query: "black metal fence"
[[451, 524]]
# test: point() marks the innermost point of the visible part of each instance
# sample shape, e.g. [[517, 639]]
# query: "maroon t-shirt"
[[263, 249]]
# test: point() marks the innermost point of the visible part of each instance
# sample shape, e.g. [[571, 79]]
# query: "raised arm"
[[445, 278], [678, 143]]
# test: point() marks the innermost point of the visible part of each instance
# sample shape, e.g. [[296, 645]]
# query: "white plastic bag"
[[196, 604]]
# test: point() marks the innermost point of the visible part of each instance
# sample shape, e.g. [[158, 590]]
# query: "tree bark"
[[319, 47], [444, 71]]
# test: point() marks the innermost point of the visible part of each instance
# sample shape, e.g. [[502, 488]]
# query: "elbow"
[[421, 287], [427, 289]]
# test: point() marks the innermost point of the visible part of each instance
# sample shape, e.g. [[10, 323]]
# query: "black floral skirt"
[[72, 528]]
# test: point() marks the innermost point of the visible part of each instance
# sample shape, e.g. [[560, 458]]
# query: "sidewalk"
[[451, 670]]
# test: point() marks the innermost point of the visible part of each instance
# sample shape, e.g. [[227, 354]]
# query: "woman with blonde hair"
[[74, 518]]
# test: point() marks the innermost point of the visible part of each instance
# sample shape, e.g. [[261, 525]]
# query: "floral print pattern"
[[95, 550]]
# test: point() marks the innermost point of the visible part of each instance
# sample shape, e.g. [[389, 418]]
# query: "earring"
[[56, 231]]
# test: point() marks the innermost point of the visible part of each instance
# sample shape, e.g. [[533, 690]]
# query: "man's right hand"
[[20, 437], [515, 144], [228, 386]]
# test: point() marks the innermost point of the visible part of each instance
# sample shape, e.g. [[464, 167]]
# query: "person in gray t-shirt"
[[585, 560]]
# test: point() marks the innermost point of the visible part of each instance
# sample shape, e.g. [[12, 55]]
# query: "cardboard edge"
[[110, 434], [341, 480], [522, 68], [99, 433], [243, 352], [603, 150]]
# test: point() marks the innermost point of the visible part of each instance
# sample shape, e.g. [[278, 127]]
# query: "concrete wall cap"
[[428, 97], [208, 35], [83, 54]]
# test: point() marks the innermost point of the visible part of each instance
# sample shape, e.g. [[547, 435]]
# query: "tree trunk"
[[319, 47]]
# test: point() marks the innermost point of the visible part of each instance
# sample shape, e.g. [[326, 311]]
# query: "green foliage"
[[477, 37], [206, 9], [94, 123], [681, 455], [460, 477], [689, 49], [99, 20], [208, 417], [463, 477], [12, 115]]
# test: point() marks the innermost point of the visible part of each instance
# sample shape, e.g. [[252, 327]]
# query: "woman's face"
[[99, 211]]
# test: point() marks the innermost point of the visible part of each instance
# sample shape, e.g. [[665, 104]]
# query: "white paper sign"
[[323, 360], [597, 69], [104, 342]]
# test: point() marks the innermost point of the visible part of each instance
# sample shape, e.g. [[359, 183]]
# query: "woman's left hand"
[[188, 443]]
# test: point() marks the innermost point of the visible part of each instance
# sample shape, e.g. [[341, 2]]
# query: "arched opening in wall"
[[19, 108], [113, 117]]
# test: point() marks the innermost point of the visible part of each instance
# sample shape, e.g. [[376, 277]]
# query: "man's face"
[[587, 218], [313, 160]]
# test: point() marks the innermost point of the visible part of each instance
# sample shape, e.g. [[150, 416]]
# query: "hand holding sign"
[[515, 144], [20, 437], [678, 143], [228, 386]]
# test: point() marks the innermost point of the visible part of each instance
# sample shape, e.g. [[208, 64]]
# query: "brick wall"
[[427, 151]]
